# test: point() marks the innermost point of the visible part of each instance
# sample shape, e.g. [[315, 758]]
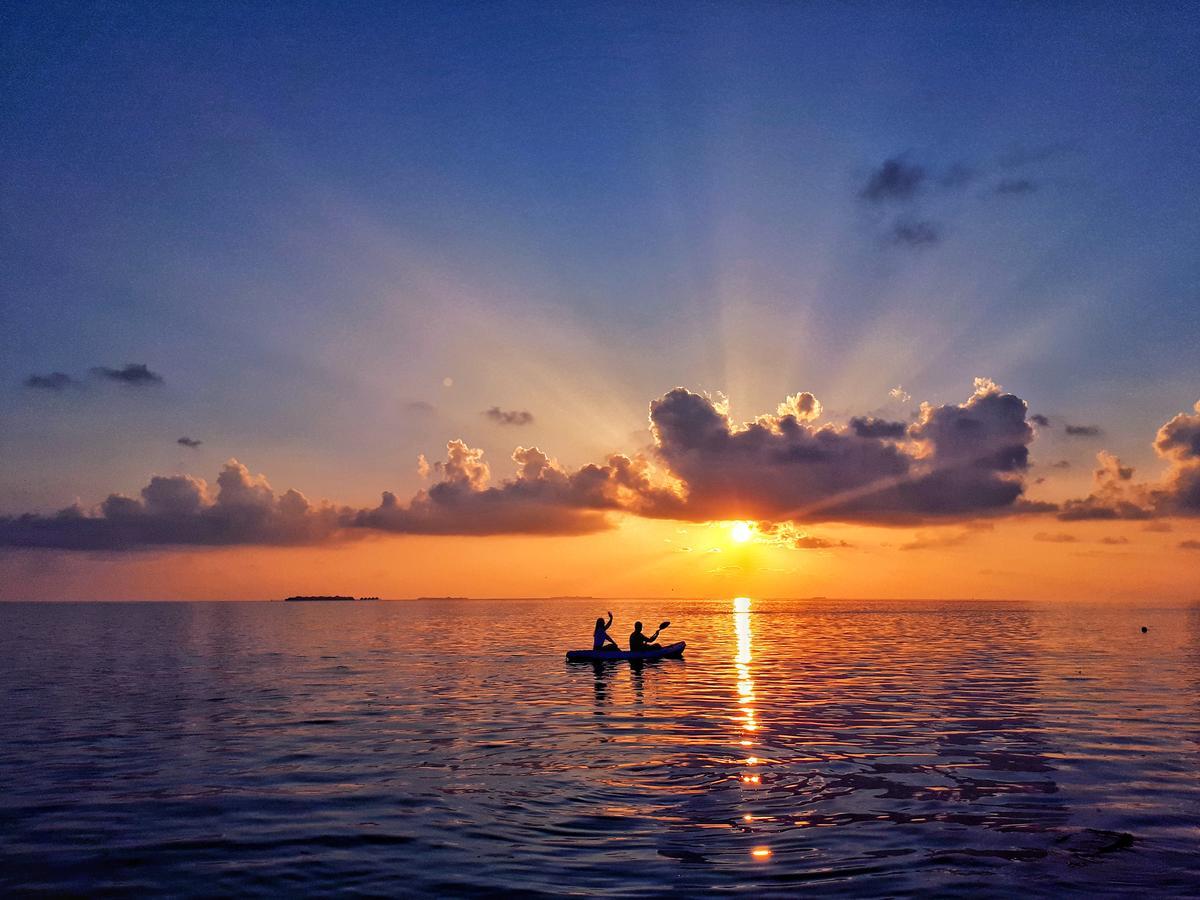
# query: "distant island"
[[326, 599]]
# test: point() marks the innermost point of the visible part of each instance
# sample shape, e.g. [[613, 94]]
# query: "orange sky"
[[1018, 559]]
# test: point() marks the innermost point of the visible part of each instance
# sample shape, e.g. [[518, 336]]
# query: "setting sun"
[[740, 532]]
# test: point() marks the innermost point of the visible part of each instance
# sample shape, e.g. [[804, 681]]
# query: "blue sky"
[[306, 217]]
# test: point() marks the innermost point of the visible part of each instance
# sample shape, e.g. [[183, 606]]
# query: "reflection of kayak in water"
[[671, 651]]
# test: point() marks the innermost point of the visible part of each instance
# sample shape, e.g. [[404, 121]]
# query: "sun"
[[740, 532]]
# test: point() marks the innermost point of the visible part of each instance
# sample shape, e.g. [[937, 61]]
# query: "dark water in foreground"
[[396, 748]]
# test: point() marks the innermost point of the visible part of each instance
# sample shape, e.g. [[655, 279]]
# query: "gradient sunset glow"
[[630, 315]]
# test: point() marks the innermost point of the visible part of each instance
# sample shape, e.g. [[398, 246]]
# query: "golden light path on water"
[[748, 720]]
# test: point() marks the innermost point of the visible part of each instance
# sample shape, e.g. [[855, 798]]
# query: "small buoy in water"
[[1144, 629]]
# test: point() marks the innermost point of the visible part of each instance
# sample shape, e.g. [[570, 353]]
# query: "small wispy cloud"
[[1084, 430], [133, 374], [186, 441], [896, 179], [915, 233], [508, 416], [55, 381]]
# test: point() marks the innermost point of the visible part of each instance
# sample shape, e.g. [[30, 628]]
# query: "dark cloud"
[[189, 442], [1083, 430], [1055, 538], [1115, 495], [870, 427], [1189, 545], [1040, 420], [55, 381], [1015, 186], [957, 461], [508, 416], [954, 463], [180, 510], [915, 233], [1114, 540], [896, 179], [543, 498], [135, 374]]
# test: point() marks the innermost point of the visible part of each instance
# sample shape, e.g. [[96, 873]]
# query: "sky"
[[501, 299]]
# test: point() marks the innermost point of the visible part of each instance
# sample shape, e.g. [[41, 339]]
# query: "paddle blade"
[[663, 625]]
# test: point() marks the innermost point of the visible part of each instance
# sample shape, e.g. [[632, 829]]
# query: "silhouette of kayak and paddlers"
[[640, 646]]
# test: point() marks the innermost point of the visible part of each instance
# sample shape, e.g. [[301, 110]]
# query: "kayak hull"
[[671, 651]]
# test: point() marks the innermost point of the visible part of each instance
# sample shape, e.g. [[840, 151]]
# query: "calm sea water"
[[447, 748]]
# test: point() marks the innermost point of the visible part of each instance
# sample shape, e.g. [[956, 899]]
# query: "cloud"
[[804, 407], [1056, 538], [543, 497], [508, 416], [1061, 464], [1114, 540], [1040, 420], [180, 510], [188, 442], [899, 394], [419, 408], [958, 460], [895, 179], [1189, 545], [1083, 430], [953, 463], [134, 374], [785, 534], [939, 540], [55, 381], [1115, 495], [915, 233], [1015, 186], [870, 427]]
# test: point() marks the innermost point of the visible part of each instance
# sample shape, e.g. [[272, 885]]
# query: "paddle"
[[663, 625]]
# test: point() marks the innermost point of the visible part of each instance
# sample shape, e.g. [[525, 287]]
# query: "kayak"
[[671, 651]]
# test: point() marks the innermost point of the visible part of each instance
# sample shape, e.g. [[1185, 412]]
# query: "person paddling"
[[600, 639], [638, 642]]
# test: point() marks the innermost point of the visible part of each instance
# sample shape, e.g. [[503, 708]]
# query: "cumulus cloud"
[[133, 374], [543, 497], [186, 441], [55, 381], [803, 407], [956, 460], [870, 427], [895, 179], [1083, 430], [508, 416], [180, 510], [1115, 495]]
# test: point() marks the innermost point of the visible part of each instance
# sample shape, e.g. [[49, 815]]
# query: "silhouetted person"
[[638, 642], [600, 639]]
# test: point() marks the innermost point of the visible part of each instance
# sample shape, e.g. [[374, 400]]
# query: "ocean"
[[446, 747]]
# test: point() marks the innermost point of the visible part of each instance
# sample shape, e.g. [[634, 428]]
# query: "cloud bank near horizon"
[[955, 463]]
